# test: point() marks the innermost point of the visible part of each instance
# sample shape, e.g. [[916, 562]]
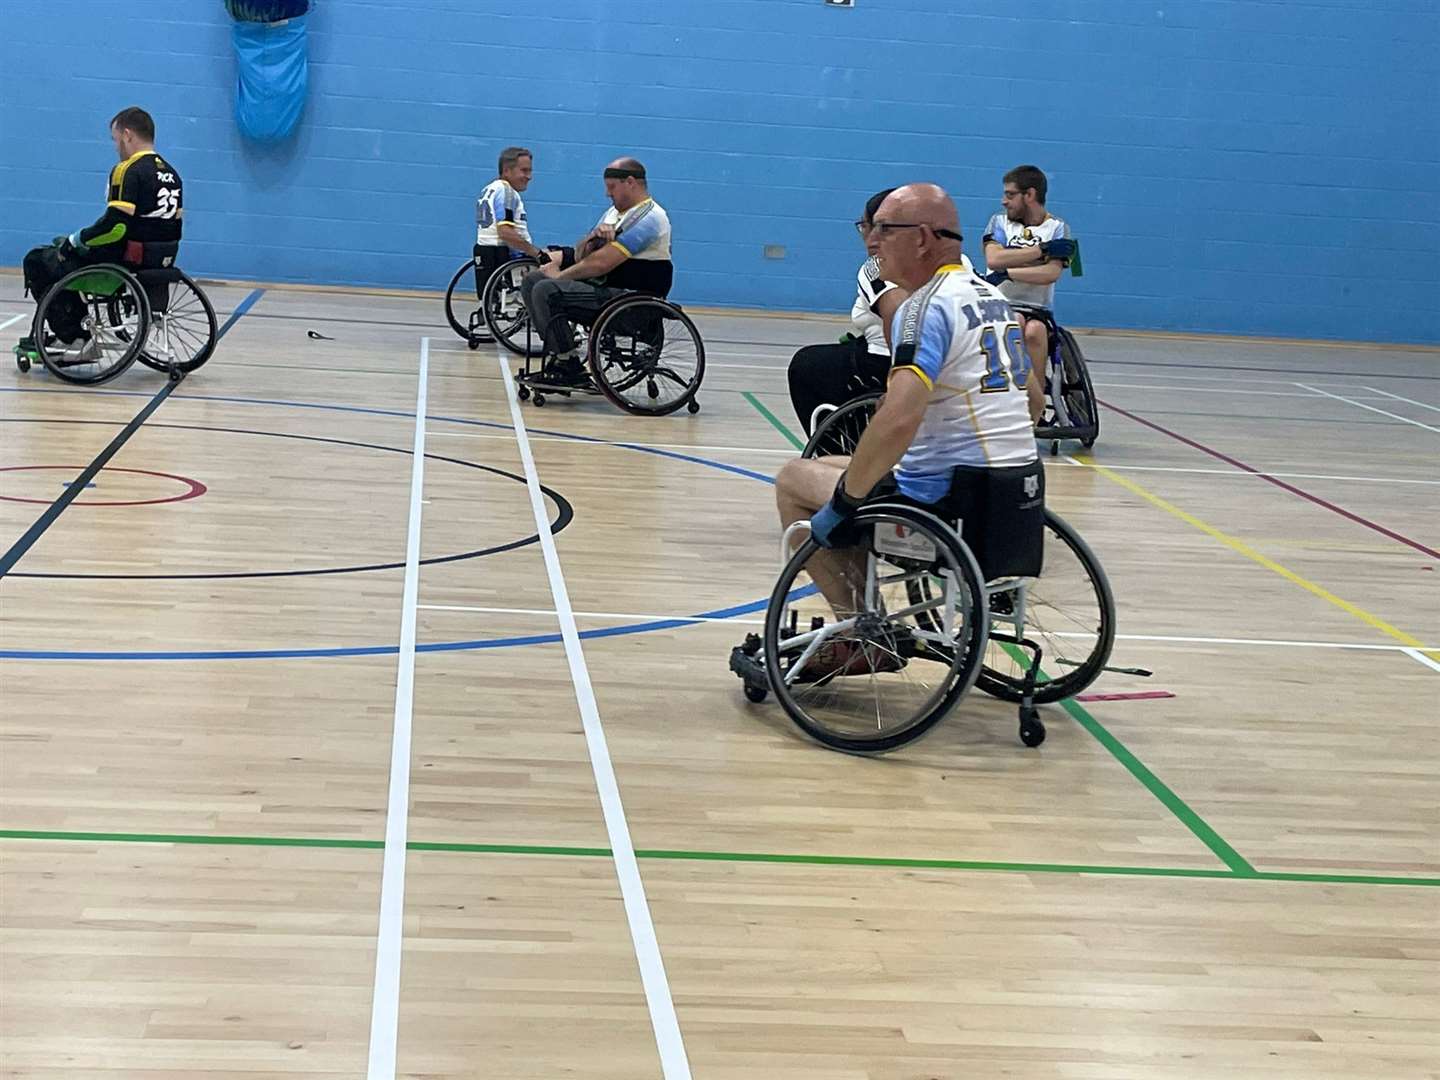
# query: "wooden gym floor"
[[233, 846]]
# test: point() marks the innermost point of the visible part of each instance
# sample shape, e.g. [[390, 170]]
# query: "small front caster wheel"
[[1032, 729]]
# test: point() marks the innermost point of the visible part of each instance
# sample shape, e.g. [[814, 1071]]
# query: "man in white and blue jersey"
[[953, 434], [1026, 250], [502, 230], [628, 250]]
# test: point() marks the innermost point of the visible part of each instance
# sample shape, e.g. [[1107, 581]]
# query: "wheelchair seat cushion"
[[168, 275], [1000, 513]]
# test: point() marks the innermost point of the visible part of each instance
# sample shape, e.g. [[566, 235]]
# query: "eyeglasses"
[[862, 226], [883, 227], [1008, 194]]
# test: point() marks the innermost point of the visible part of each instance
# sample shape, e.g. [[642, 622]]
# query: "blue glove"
[[995, 277], [1058, 249], [832, 526]]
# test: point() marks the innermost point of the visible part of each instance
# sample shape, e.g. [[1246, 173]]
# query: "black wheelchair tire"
[[963, 676], [614, 310], [205, 353], [39, 334]]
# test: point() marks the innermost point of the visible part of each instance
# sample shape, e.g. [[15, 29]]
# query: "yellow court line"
[[1269, 564]]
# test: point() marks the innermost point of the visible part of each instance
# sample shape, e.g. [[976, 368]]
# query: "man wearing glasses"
[[1026, 250], [627, 251], [832, 374], [954, 419]]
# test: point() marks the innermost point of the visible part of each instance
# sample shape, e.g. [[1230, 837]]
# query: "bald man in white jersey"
[[953, 434]]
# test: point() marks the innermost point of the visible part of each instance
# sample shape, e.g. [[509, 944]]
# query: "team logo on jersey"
[[1032, 486]]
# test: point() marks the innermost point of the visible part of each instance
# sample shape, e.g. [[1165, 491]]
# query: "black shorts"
[[1000, 513]]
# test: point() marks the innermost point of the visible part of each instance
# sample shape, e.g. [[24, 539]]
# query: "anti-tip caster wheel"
[[1032, 729], [23, 363], [522, 392], [472, 343], [692, 406], [1054, 449], [539, 400]]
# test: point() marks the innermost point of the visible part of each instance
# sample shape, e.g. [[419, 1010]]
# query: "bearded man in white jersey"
[[1026, 250], [953, 434]]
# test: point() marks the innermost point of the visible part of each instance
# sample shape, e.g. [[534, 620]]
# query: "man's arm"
[[510, 233], [998, 257], [1043, 274], [919, 354], [596, 264], [112, 227], [889, 433]]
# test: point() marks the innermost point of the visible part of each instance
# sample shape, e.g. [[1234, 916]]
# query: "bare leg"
[[1036, 343], [802, 487]]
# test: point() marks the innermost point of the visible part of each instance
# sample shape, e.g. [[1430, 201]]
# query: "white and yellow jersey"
[[958, 334], [870, 286], [1016, 234], [500, 204]]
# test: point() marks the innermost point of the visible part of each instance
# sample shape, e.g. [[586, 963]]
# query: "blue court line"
[[391, 650], [749, 474], [240, 309]]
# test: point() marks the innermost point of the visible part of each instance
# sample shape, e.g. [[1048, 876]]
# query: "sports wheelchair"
[[476, 302], [159, 316], [1074, 412], [928, 627], [642, 352]]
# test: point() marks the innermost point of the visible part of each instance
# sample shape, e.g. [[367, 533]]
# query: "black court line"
[[54, 510]]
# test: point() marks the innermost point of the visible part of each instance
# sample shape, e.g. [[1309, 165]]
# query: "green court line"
[[1137, 768], [1157, 787], [775, 421], [1172, 802], [724, 856]]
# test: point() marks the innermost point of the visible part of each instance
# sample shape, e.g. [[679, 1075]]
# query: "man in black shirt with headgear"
[[140, 228]]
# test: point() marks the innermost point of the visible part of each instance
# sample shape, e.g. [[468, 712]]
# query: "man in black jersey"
[[140, 228], [627, 251]]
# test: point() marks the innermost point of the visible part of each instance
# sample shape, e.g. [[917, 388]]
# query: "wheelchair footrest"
[[746, 661]]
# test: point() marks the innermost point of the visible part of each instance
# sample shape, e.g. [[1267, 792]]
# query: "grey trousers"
[[553, 304]]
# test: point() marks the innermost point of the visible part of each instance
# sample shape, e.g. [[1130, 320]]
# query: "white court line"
[[674, 1065], [1372, 408], [1416, 654], [1069, 459], [1185, 640], [593, 614], [1173, 389], [1409, 401], [385, 1005], [12, 320]]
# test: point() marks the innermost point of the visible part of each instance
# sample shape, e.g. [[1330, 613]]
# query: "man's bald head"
[[922, 204], [909, 254]]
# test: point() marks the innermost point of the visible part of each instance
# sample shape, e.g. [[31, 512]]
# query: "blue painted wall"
[[1243, 166]]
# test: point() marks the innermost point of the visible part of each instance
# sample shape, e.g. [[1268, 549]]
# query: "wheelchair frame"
[[931, 551], [1067, 385], [113, 295], [1007, 600]]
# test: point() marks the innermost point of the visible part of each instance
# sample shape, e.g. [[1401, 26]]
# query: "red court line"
[[1139, 695], [1277, 482]]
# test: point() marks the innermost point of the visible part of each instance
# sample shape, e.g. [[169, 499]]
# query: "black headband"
[[621, 174]]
